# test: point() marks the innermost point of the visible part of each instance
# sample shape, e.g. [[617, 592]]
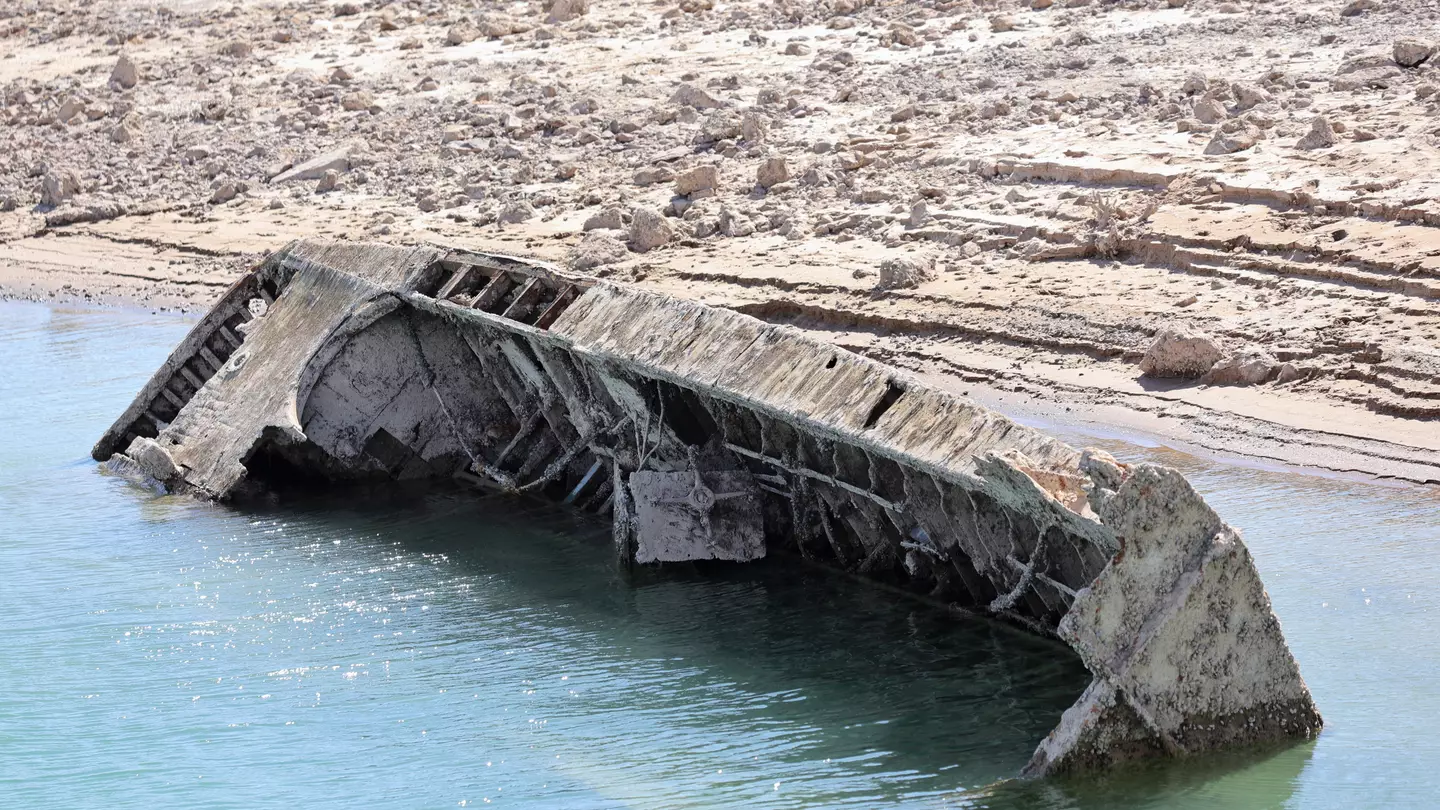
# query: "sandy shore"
[[1011, 202]]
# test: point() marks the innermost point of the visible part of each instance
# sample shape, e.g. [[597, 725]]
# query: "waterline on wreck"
[[665, 681]]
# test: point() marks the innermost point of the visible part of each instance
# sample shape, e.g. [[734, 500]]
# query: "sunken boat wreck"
[[705, 434]]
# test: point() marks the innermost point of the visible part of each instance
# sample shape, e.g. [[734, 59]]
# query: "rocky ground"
[[1214, 221]]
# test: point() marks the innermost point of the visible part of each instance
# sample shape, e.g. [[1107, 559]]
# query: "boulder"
[[1179, 351], [1249, 94], [733, 223], [697, 180], [461, 33], [612, 218], [905, 272], [316, 167], [328, 182], [1246, 367], [358, 100], [1412, 51], [649, 230], [516, 212], [651, 175], [126, 74], [1210, 111], [223, 193], [558, 11], [772, 172], [1321, 135], [692, 96], [597, 249], [58, 186], [1233, 136]]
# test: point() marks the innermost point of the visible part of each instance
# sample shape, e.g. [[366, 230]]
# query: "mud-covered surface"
[[1013, 201]]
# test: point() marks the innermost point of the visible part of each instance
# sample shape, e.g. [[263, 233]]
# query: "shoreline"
[[856, 170], [1056, 415]]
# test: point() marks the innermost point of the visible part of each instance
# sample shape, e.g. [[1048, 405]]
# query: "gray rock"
[[1248, 95], [516, 212], [127, 131], [126, 74], [651, 175], [733, 223], [461, 33], [754, 127], [1412, 52], [358, 100], [1210, 111]]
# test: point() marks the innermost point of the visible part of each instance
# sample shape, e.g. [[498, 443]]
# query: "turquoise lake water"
[[434, 650]]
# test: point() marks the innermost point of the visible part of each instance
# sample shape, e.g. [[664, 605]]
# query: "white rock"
[[565, 10], [1179, 351], [58, 186], [612, 218], [1250, 366], [649, 230], [316, 167], [772, 172], [1321, 135], [692, 96], [597, 249], [905, 272], [697, 179]]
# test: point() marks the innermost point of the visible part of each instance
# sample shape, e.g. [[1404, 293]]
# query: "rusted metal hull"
[[706, 434]]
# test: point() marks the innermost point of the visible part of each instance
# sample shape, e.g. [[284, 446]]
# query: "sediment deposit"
[[1012, 199]]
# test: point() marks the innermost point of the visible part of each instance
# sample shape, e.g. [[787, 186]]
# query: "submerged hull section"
[[706, 434]]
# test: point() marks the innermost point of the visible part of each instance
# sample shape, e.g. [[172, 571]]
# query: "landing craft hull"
[[706, 434]]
